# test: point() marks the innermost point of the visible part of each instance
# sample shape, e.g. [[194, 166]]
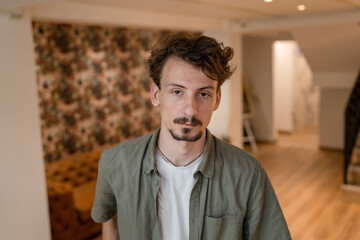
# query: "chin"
[[185, 136]]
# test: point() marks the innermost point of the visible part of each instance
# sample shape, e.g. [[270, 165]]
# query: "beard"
[[185, 135], [185, 132]]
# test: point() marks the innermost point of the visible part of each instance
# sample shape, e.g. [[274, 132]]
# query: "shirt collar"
[[206, 166], [150, 163]]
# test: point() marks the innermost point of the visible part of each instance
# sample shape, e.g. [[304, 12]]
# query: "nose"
[[191, 106]]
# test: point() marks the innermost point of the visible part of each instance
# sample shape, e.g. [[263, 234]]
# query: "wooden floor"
[[307, 182]]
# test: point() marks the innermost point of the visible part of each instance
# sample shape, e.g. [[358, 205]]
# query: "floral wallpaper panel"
[[93, 86]]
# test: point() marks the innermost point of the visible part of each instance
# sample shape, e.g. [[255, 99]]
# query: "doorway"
[[296, 98]]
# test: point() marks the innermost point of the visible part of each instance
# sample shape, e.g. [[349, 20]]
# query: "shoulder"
[[233, 164], [127, 150], [235, 157]]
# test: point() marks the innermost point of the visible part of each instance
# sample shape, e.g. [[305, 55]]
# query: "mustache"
[[193, 121]]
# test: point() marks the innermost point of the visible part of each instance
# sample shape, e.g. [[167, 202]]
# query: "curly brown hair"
[[201, 51]]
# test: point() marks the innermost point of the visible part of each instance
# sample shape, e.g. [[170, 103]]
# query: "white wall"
[[306, 94], [296, 96], [257, 63], [283, 79], [236, 100], [23, 198]]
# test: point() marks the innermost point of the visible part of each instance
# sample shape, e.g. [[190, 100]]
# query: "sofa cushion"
[[84, 199], [75, 170]]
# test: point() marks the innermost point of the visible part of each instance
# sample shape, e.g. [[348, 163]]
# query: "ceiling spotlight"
[[301, 7], [267, 1]]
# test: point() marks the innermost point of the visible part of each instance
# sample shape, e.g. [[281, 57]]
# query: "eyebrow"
[[181, 86]]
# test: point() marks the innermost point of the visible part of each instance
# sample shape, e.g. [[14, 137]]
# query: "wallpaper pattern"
[[92, 86]]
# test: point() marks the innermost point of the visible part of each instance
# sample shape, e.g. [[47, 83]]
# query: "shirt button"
[[156, 182]]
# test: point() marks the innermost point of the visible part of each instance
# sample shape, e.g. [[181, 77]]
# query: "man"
[[181, 182]]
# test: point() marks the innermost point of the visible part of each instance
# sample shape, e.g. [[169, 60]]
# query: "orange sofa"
[[71, 186]]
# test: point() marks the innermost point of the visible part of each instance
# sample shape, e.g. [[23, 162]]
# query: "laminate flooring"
[[307, 181]]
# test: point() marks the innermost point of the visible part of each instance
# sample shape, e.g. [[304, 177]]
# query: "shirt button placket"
[[156, 186], [194, 213], [156, 182]]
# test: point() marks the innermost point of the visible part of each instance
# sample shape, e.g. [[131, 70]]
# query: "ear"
[[154, 95], [218, 99]]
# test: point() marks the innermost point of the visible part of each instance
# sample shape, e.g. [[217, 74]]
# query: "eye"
[[204, 94], [176, 92]]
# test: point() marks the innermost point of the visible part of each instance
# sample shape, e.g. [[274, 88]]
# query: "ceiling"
[[241, 10]]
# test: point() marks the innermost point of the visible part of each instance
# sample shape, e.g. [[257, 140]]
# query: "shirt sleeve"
[[104, 206], [264, 218]]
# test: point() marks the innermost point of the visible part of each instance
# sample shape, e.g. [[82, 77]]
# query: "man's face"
[[187, 100]]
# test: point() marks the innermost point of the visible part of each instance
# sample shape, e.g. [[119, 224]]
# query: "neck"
[[180, 153]]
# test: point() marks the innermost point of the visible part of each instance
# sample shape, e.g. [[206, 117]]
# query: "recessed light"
[[267, 1], [301, 7]]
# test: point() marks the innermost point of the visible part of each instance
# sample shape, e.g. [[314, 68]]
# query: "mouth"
[[188, 123]]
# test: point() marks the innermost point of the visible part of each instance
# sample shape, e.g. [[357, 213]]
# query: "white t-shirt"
[[174, 198]]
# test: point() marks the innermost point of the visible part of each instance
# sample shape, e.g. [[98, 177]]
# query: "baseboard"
[[351, 192], [354, 174]]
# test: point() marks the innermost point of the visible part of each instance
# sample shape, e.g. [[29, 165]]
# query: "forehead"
[[178, 71]]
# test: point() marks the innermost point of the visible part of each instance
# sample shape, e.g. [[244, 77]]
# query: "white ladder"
[[249, 136]]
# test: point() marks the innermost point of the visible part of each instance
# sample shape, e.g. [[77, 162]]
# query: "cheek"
[[171, 106], [208, 117], [208, 107], [206, 113], [168, 112]]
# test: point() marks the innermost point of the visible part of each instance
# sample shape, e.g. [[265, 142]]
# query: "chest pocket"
[[226, 227]]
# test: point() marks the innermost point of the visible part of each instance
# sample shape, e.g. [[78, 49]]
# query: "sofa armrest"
[[58, 188], [63, 215]]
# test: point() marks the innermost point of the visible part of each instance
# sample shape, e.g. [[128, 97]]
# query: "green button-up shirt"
[[232, 197]]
